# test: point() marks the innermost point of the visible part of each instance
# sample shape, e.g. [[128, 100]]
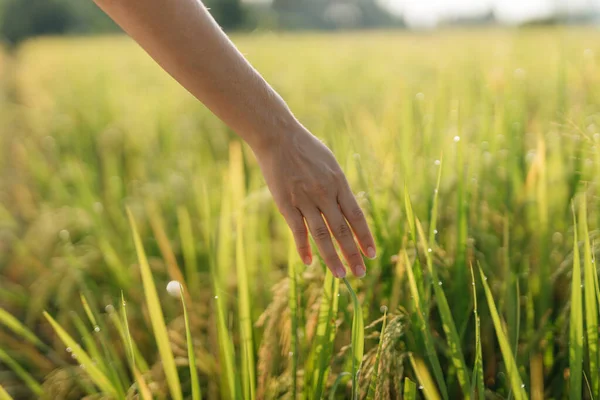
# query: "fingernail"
[[307, 260], [371, 253], [340, 272], [360, 271]]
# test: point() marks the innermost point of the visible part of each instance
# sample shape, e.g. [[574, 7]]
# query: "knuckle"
[[298, 230], [321, 232], [354, 255], [343, 231], [357, 213]]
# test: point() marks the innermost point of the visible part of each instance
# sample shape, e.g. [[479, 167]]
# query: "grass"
[[474, 155]]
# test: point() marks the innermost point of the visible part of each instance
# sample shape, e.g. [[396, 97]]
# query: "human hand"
[[310, 188]]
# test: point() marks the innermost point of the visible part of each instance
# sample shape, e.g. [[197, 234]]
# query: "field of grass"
[[475, 154]]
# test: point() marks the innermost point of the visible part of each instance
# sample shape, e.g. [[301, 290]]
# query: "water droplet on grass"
[[96, 328], [457, 139], [69, 350]]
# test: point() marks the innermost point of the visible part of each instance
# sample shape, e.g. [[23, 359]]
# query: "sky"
[[428, 12]]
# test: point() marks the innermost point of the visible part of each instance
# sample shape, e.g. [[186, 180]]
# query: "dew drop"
[[216, 297], [435, 231], [291, 354], [457, 139], [437, 162], [421, 387], [69, 350], [109, 308], [440, 283], [522, 385], [96, 328], [429, 250], [74, 356]]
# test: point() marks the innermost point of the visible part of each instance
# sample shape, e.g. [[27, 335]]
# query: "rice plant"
[[141, 254]]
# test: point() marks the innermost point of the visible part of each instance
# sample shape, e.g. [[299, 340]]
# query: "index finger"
[[356, 217]]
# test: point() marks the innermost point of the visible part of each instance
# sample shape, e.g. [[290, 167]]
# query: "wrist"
[[280, 132]]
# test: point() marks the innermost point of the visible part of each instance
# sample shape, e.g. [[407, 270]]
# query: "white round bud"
[[174, 288]]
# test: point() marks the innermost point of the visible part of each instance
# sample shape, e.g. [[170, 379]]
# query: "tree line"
[[20, 19]]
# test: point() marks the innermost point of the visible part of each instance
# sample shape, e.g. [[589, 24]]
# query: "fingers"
[[320, 232], [356, 218], [295, 221], [343, 234]]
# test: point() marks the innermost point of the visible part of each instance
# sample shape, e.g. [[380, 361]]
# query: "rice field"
[[474, 153]]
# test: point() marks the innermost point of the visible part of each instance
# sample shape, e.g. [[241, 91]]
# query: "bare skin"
[[303, 175]]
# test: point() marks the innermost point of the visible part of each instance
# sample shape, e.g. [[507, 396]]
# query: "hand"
[[310, 188]]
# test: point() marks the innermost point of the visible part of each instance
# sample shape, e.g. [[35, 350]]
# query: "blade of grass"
[[434, 206], [576, 322], [317, 365], [29, 380], [186, 235], [142, 386], [338, 381], [591, 305], [293, 305], [196, 393], [424, 377], [477, 385], [156, 315], [358, 340], [448, 325], [244, 301], [516, 384], [4, 394], [432, 354], [410, 390], [99, 379], [18, 328], [374, 381]]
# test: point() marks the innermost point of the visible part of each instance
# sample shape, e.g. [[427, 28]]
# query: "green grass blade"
[[245, 316], [434, 206], [4, 394], [317, 366], [293, 305], [432, 354], [84, 359], [477, 385], [18, 328], [516, 384], [186, 235], [29, 380], [410, 390], [142, 386], [426, 382], [358, 340], [448, 324], [374, 381], [338, 381], [156, 315], [576, 322], [196, 393], [591, 305]]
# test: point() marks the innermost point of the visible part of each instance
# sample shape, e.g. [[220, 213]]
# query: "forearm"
[[184, 39]]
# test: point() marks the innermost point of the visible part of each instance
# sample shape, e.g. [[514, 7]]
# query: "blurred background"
[[23, 18]]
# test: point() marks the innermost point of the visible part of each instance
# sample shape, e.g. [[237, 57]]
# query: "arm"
[[302, 173]]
